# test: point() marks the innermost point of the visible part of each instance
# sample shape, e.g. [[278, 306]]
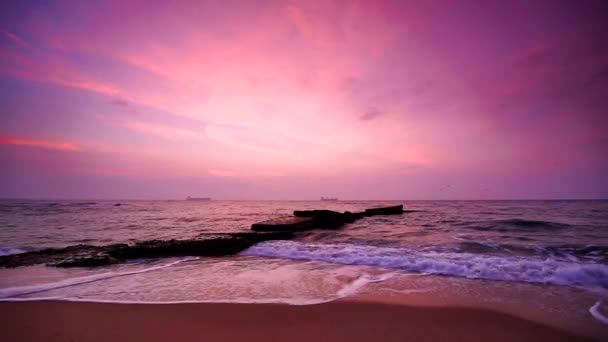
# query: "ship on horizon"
[[331, 199], [198, 198]]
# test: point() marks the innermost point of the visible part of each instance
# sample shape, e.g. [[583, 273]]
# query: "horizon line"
[[294, 200]]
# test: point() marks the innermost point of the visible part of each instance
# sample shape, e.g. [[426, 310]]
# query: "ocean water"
[[486, 249]]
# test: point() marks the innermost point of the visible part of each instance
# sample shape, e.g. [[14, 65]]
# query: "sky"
[[303, 99]]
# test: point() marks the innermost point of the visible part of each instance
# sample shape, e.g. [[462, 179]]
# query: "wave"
[[31, 289], [460, 264], [580, 252], [348, 289], [518, 225], [10, 251], [360, 282], [278, 300], [567, 252], [595, 312]]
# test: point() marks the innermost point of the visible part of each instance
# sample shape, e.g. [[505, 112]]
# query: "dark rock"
[[287, 223], [304, 220], [325, 219], [256, 237], [92, 260], [320, 214], [359, 215], [394, 210], [352, 217], [321, 219], [47, 256], [205, 245], [90, 256], [348, 217], [213, 246], [318, 219]]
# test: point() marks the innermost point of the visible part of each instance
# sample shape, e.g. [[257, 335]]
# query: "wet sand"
[[335, 321]]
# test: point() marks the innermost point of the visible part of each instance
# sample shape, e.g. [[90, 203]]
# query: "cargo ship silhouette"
[[198, 198]]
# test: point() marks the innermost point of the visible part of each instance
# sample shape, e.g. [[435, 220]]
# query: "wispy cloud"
[[371, 114], [120, 102], [311, 87], [15, 38], [39, 143], [52, 71], [163, 131], [222, 173]]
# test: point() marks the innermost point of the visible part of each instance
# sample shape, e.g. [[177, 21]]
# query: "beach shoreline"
[[351, 320]]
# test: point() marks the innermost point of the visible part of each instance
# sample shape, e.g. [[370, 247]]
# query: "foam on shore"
[[592, 276], [31, 289], [10, 251], [348, 289], [595, 312]]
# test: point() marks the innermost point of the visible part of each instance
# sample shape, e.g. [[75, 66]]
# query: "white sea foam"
[[244, 300], [348, 289], [467, 265], [208, 283], [356, 285], [595, 312], [10, 251], [30, 289]]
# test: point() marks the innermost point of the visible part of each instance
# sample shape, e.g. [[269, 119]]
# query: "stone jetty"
[[221, 244], [91, 256], [320, 219]]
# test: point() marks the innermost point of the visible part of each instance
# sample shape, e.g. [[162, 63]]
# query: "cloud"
[[48, 69], [120, 102], [371, 114], [313, 88], [222, 173], [421, 88], [163, 131], [15, 38], [39, 143]]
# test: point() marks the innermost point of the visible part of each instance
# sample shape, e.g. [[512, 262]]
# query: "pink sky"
[[302, 99]]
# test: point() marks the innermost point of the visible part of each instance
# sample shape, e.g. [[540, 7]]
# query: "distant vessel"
[[198, 198], [333, 199]]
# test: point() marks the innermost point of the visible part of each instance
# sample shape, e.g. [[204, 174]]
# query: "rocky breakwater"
[[281, 228], [91, 256], [320, 219]]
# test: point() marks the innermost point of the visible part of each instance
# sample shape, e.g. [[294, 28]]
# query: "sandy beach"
[[340, 320]]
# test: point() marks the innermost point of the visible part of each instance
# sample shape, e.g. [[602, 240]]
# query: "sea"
[[551, 256]]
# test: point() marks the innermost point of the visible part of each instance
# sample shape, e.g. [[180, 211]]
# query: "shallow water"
[[563, 244]]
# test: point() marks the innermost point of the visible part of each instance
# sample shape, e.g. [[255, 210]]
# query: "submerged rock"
[[326, 219], [287, 223], [91, 256], [352, 217], [49, 256], [322, 214], [281, 228], [394, 210], [321, 219], [91, 260]]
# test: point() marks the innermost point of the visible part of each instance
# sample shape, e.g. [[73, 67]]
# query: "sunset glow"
[[299, 99]]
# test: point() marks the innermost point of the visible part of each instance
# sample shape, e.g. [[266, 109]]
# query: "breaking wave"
[[460, 264], [10, 251], [30, 289], [597, 314], [518, 225]]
